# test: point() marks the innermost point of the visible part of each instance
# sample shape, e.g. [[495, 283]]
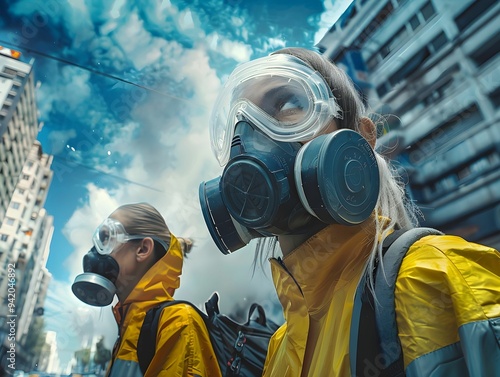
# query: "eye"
[[104, 235], [291, 102]]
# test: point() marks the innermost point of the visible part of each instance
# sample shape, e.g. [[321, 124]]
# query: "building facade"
[[434, 67], [25, 236], [18, 121]]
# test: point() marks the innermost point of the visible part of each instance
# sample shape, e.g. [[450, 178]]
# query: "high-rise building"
[[18, 121], [434, 66], [25, 236]]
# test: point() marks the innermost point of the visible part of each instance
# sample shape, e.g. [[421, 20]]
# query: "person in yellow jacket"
[[301, 175], [136, 257]]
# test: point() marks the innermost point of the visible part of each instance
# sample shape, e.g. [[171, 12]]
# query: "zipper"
[[282, 264]]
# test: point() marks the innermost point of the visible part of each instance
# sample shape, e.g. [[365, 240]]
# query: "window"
[[382, 90], [26, 177], [9, 71], [414, 22], [9, 221], [15, 205], [374, 25], [437, 94], [472, 13], [486, 52], [495, 97], [20, 191], [427, 11], [411, 66], [442, 134], [402, 35], [4, 237], [438, 42]]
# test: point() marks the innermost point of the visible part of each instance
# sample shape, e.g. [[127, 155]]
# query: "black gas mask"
[[96, 286], [272, 188]]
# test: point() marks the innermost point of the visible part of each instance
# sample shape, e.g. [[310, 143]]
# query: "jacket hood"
[[163, 276]]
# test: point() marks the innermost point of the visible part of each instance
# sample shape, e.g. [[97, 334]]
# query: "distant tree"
[[83, 358], [102, 354], [35, 340]]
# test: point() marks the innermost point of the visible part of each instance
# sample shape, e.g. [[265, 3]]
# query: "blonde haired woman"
[[296, 177]]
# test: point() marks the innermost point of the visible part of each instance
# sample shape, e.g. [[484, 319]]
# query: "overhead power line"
[[95, 71]]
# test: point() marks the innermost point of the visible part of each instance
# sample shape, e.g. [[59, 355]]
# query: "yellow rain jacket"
[[447, 306], [183, 345]]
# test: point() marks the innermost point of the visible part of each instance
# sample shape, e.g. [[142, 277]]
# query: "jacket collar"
[[311, 274]]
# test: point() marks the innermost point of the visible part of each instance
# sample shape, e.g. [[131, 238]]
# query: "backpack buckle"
[[240, 342], [235, 365]]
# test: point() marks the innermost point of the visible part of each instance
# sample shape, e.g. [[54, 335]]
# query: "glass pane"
[[428, 11], [414, 22]]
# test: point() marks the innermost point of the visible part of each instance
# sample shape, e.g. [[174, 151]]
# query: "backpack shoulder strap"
[[374, 343], [385, 283], [146, 344]]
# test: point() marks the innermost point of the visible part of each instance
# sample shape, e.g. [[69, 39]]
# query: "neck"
[[290, 242], [124, 289], [123, 293]]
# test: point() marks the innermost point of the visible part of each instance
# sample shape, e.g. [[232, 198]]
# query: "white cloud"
[[141, 48], [236, 50], [68, 90], [186, 20], [59, 139], [273, 44], [115, 10], [80, 227]]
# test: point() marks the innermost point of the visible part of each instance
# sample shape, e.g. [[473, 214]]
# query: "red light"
[[9, 52]]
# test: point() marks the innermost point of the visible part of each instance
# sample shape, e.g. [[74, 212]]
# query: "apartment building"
[[18, 121], [434, 67], [25, 236]]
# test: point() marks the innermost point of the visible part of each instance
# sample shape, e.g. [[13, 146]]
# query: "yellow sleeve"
[[444, 283], [183, 346]]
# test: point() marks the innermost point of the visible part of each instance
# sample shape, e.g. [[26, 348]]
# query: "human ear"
[[145, 250], [368, 130]]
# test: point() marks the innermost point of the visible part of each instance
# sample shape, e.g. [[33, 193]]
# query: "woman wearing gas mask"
[[301, 176], [137, 258]]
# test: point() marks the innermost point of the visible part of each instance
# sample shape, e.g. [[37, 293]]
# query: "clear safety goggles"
[[279, 94], [111, 233]]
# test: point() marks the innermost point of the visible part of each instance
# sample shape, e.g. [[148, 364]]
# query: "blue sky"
[[126, 91]]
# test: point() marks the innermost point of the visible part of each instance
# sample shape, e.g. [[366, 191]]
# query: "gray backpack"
[[374, 348]]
